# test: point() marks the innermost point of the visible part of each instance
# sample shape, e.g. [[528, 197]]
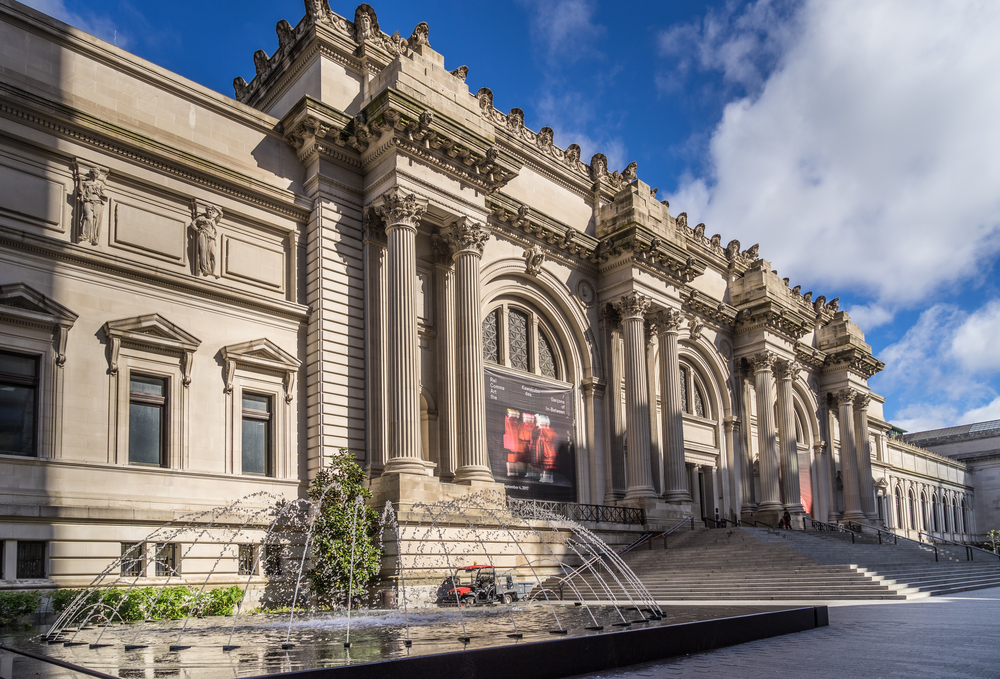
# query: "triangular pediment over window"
[[261, 354], [152, 332], [20, 303]]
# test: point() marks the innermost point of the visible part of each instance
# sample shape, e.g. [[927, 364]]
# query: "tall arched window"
[[924, 516], [518, 337], [899, 508], [913, 511], [965, 518], [693, 393], [934, 514]]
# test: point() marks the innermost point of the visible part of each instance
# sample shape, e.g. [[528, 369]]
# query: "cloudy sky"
[[856, 141]]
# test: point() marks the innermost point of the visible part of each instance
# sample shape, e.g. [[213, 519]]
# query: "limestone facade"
[[357, 251]]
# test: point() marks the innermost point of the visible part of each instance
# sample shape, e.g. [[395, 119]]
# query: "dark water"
[[319, 639]]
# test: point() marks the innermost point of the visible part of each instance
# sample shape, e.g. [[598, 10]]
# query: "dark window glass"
[[146, 420], [18, 403], [133, 564], [272, 560], [166, 559], [684, 389], [256, 434], [30, 560], [247, 558]]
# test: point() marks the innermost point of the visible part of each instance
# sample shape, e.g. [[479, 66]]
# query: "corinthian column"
[[675, 489], [786, 372], [467, 240], [848, 455], [767, 442], [866, 484], [632, 308], [377, 341], [401, 212]]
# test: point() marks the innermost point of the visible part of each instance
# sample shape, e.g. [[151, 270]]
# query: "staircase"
[[764, 565]]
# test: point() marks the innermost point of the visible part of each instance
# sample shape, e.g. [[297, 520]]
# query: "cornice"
[[696, 301], [649, 252], [557, 236], [774, 318], [853, 360], [68, 122], [52, 248], [814, 358]]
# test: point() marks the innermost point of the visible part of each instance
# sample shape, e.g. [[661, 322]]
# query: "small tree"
[[993, 541], [336, 489]]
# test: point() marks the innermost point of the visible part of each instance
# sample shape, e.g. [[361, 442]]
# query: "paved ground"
[[956, 636]]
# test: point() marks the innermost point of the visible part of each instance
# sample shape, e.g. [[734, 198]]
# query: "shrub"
[[16, 605], [220, 601]]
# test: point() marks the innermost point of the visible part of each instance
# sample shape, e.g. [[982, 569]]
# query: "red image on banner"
[[533, 452]]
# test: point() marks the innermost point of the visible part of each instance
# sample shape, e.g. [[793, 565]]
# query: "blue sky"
[[856, 141]]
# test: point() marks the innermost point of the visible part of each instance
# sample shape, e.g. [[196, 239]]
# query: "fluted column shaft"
[[632, 308], [733, 497], [866, 484], [445, 321], [377, 340], [786, 372], [749, 501], [849, 456], [767, 442], [467, 239], [402, 213], [675, 488]]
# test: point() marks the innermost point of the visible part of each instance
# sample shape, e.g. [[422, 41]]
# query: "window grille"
[[166, 559], [517, 333], [491, 338], [30, 560], [133, 563], [247, 557], [546, 357], [684, 389]]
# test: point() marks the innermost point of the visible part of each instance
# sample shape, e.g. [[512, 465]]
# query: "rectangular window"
[[272, 560], [166, 559], [133, 564], [256, 434], [248, 555], [147, 409], [30, 560], [18, 404]]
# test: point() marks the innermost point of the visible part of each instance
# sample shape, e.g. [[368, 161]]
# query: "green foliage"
[[153, 603], [339, 486], [16, 605], [993, 541]]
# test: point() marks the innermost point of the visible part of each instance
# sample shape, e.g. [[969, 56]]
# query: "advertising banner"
[[529, 435]]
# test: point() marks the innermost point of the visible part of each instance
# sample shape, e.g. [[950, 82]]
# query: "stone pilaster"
[[614, 465], [694, 484], [767, 442], [633, 307], [733, 464], [375, 332], [401, 213], [748, 507], [866, 484], [444, 274], [467, 240], [675, 488], [786, 373], [655, 451], [848, 455]]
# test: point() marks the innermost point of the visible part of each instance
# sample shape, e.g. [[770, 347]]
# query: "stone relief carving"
[[467, 235], [633, 305], [515, 121], [420, 35], [630, 173], [286, 34], [365, 24], [764, 361], [262, 64], [372, 226], [585, 293], [205, 233], [241, 88], [462, 72], [695, 327], [91, 199], [598, 166], [844, 397], [534, 257], [397, 207], [787, 370], [667, 320]]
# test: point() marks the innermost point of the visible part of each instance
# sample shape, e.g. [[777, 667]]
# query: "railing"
[[648, 539], [761, 524], [578, 512], [833, 527], [857, 527], [720, 522], [968, 548]]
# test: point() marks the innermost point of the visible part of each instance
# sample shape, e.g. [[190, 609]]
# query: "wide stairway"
[[760, 564]]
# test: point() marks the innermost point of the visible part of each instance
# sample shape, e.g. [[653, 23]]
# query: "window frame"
[[139, 567], [170, 565], [163, 402], [253, 564], [537, 325], [44, 559], [267, 416], [13, 380]]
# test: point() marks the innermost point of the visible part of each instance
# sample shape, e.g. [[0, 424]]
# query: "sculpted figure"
[[420, 35], [365, 24], [534, 258], [598, 166], [205, 227], [92, 200]]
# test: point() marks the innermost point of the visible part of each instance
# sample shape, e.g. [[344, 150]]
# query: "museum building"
[[202, 297]]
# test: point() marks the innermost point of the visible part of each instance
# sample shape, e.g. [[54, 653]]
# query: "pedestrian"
[[786, 519]]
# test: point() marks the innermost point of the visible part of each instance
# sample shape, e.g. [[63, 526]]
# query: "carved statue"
[[515, 121], [462, 72], [286, 34], [534, 257], [573, 154], [485, 97], [598, 166], [682, 220], [420, 35], [717, 241], [365, 24], [753, 251], [631, 173], [732, 250], [205, 227], [92, 199], [240, 87], [699, 231], [545, 137], [317, 9], [261, 63]]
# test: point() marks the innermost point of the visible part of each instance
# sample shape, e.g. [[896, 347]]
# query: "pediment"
[[152, 330], [20, 302], [263, 353]]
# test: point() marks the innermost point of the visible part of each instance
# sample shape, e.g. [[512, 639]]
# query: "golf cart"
[[478, 584]]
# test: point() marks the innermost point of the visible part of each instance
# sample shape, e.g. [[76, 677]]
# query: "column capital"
[[787, 370], [844, 397], [466, 236], [399, 208], [442, 251], [372, 226], [633, 305], [763, 362], [862, 400], [666, 320]]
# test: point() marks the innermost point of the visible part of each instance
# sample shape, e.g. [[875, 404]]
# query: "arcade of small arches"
[[915, 508]]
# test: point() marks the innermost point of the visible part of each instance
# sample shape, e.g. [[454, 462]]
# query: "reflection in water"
[[319, 639]]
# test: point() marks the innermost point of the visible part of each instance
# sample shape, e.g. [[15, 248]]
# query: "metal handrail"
[[833, 527], [968, 548], [723, 521], [586, 512], [665, 534], [758, 524], [895, 537]]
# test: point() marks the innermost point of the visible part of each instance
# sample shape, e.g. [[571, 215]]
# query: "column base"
[[857, 517], [640, 493], [769, 516], [409, 465], [798, 514], [473, 472], [677, 497]]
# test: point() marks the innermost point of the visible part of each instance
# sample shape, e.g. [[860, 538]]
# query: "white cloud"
[[101, 26], [868, 159], [870, 316], [976, 344], [565, 29], [990, 411]]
